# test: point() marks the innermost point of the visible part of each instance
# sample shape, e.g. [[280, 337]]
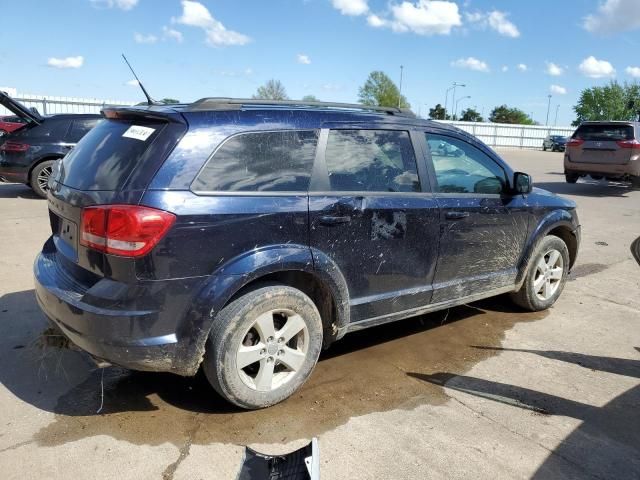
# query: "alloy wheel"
[[548, 275], [43, 178]]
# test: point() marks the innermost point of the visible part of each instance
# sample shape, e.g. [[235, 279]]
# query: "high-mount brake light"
[[124, 230]]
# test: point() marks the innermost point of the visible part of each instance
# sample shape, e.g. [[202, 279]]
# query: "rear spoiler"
[[132, 113], [20, 110]]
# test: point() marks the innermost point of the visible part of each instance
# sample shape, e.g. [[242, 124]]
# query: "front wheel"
[[263, 346], [40, 177], [546, 276]]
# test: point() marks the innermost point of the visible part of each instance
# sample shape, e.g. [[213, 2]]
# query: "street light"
[[555, 123], [455, 112], [446, 97], [548, 108]]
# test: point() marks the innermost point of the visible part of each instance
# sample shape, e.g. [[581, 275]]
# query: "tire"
[[540, 290], [255, 320], [635, 182], [40, 176], [571, 177], [544, 147]]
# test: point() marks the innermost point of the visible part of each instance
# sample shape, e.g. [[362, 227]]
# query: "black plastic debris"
[[302, 464]]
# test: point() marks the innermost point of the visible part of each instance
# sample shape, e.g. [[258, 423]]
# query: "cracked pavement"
[[480, 391]]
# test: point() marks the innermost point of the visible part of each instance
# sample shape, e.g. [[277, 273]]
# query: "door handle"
[[334, 220], [456, 215]]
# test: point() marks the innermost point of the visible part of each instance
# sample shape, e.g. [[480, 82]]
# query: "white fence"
[[503, 135], [48, 105]]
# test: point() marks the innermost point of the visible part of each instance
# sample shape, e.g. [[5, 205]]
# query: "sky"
[[510, 52]]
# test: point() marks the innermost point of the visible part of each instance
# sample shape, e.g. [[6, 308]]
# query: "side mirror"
[[522, 183]]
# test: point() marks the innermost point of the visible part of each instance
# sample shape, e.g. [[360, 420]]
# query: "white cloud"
[[172, 34], [522, 67], [149, 39], [196, 14], [499, 22], [495, 20], [426, 17], [558, 90], [471, 63], [351, 7], [67, 62], [505, 68], [554, 70], [633, 72], [303, 59], [375, 21], [594, 68], [132, 83], [121, 4], [614, 16]]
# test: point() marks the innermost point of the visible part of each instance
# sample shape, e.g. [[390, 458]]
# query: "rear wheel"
[[635, 182], [263, 346], [544, 147], [546, 276], [571, 177], [40, 177]]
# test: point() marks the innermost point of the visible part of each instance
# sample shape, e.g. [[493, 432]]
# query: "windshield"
[[604, 132]]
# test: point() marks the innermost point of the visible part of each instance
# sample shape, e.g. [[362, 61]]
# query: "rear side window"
[[79, 129], [604, 132], [261, 162], [371, 161], [106, 156], [52, 129]]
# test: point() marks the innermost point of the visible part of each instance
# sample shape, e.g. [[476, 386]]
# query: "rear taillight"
[[575, 142], [14, 147], [125, 230], [633, 144]]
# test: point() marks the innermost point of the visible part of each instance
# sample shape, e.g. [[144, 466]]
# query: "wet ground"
[[484, 389]]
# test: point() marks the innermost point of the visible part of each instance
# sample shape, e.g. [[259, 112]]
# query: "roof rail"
[[222, 103]]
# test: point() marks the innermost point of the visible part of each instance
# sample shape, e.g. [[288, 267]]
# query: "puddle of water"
[[363, 373]]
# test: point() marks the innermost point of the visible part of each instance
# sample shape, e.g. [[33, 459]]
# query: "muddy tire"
[[40, 176], [546, 275], [571, 177], [263, 346]]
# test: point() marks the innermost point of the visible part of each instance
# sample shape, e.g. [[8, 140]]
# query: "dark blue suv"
[[247, 235]]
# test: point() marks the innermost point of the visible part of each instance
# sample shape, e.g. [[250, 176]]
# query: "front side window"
[[371, 161], [463, 168], [261, 162]]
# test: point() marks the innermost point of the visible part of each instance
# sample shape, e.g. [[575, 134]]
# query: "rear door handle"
[[334, 220], [455, 215]]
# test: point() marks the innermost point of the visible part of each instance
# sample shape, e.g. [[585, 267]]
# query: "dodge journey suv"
[[245, 236]]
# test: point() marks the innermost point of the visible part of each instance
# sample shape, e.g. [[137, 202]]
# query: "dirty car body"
[[350, 207]]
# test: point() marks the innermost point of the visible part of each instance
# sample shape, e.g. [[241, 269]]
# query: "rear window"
[[604, 132], [79, 129], [261, 162], [106, 156]]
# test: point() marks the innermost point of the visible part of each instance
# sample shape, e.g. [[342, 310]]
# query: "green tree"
[[379, 90], [437, 113], [272, 90], [169, 101], [504, 114], [471, 115], [310, 98], [610, 102]]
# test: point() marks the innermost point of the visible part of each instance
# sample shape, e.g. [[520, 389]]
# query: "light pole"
[[555, 123], [400, 89], [446, 97], [455, 112], [548, 108]]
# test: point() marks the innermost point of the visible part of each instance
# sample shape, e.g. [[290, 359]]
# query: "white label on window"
[[138, 132]]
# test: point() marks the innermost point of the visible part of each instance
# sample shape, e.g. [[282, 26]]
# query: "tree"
[[169, 101], [610, 102], [310, 98], [272, 90], [379, 90], [471, 115], [504, 114], [437, 113]]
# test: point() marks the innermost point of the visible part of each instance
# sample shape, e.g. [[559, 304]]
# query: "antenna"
[[150, 101]]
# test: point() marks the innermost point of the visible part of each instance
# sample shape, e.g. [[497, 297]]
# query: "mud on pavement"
[[366, 372]]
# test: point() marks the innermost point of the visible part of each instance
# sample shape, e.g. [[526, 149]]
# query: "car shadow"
[[606, 444], [17, 190], [587, 188]]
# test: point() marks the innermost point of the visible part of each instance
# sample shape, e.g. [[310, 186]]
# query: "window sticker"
[[138, 132]]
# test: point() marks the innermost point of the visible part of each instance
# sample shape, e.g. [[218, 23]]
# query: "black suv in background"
[[28, 154]]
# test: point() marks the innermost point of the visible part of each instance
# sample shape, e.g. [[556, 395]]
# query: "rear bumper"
[[13, 175], [138, 339], [612, 170]]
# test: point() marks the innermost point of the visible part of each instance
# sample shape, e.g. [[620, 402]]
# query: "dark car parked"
[[29, 154], [246, 236], [555, 143]]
